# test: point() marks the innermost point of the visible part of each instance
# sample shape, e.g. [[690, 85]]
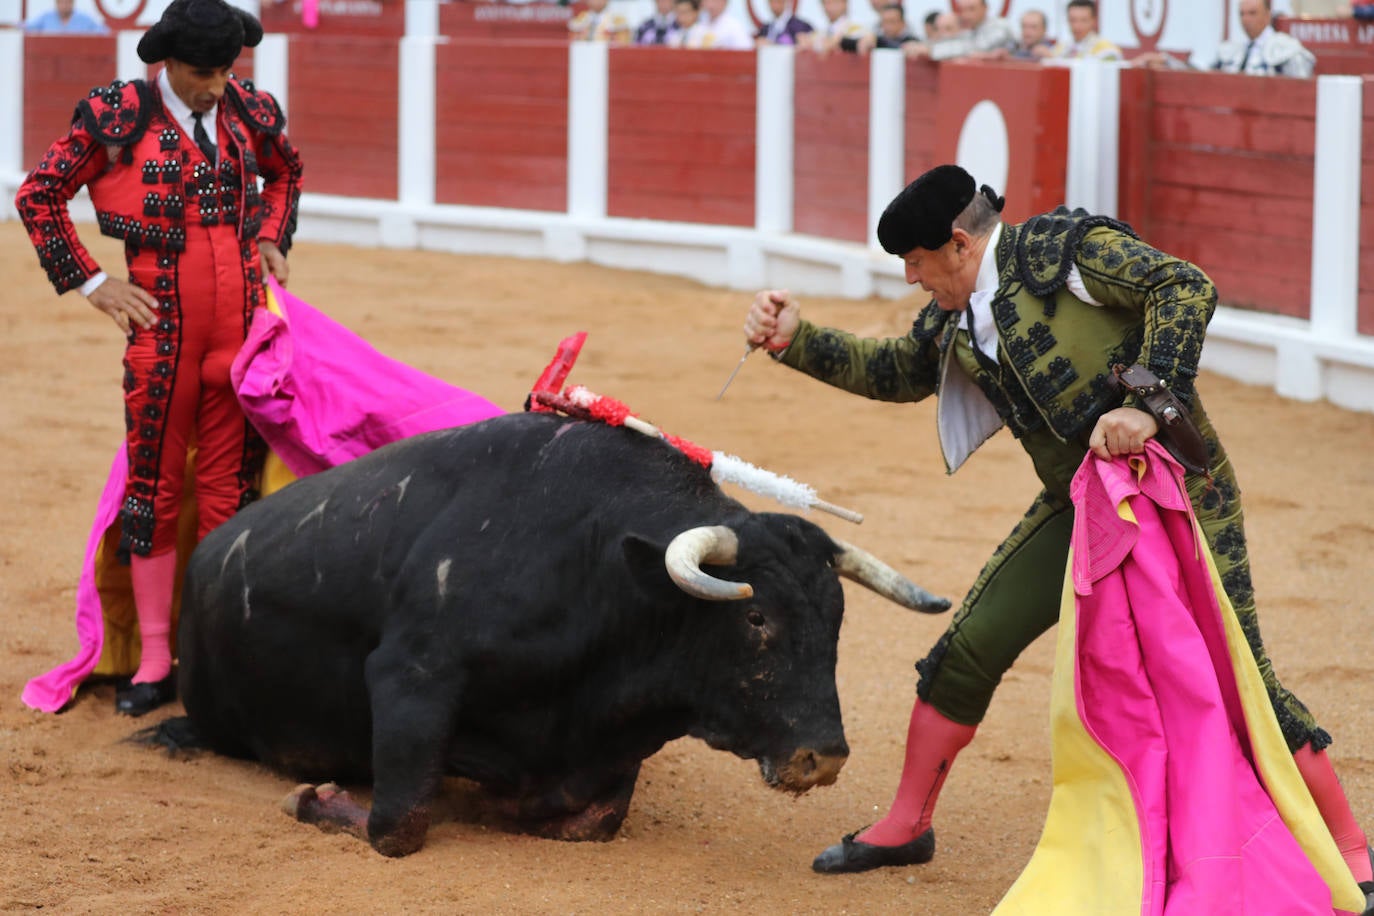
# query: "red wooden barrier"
[[680, 143], [59, 71], [1342, 46], [502, 133], [1034, 102], [1217, 169], [504, 21], [830, 170], [337, 18], [922, 101], [343, 113]]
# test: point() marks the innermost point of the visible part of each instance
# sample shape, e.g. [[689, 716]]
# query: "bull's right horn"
[[712, 544], [867, 570]]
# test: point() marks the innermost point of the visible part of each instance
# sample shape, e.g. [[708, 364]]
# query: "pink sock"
[[153, 580], [1326, 790], [932, 741]]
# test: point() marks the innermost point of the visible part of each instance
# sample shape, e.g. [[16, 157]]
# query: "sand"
[[90, 823]]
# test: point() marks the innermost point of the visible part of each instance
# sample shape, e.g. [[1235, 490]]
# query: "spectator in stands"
[[785, 29], [1084, 43], [892, 31], [1263, 52], [655, 29], [980, 33], [1035, 41], [928, 24], [839, 26], [596, 23], [946, 26], [65, 19], [686, 13], [718, 30]]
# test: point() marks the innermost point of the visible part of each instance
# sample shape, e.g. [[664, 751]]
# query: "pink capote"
[[1157, 686], [319, 395]]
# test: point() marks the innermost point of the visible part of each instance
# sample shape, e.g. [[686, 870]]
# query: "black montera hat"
[[202, 33], [923, 214]]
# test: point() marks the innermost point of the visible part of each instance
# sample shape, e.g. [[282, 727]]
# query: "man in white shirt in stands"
[[1084, 42], [1262, 52], [718, 30], [982, 33]]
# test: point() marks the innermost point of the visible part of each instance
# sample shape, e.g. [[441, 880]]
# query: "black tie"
[[987, 362], [1246, 59], [203, 139]]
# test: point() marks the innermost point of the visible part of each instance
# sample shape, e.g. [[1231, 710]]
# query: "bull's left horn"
[[867, 570], [712, 544]]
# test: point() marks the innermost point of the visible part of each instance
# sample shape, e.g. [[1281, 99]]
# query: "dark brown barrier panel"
[[343, 114], [680, 142], [830, 176], [1217, 169], [59, 70], [502, 134]]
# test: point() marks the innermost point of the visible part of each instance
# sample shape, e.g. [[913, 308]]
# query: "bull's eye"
[[755, 618]]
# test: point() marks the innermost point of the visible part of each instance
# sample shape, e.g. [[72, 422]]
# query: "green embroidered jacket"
[[1055, 351]]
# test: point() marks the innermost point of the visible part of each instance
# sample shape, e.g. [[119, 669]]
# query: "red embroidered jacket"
[[126, 149]]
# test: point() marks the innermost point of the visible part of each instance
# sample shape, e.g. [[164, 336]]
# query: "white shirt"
[[725, 33], [182, 114]]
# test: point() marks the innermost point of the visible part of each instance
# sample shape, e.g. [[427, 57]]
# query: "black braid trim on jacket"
[[1046, 245], [258, 109], [117, 114]]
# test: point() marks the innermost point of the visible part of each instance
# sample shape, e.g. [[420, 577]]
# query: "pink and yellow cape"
[[1174, 791], [320, 396]]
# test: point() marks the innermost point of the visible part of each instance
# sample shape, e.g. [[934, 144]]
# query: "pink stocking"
[[153, 579], [932, 741], [1326, 790]]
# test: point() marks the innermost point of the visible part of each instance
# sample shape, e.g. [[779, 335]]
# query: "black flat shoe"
[[851, 855], [141, 699]]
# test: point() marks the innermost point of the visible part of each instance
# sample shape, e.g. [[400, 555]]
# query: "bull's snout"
[[807, 767]]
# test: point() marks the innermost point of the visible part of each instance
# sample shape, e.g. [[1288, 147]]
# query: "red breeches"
[[178, 392]]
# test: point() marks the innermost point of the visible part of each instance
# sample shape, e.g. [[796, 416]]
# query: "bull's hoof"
[[298, 798], [851, 855], [328, 807], [142, 698]]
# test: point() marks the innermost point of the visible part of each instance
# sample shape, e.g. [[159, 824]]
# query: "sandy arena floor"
[[92, 824]]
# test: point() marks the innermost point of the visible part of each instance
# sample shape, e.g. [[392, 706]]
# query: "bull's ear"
[[644, 559]]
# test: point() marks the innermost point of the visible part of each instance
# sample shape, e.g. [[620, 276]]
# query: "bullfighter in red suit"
[[173, 169]]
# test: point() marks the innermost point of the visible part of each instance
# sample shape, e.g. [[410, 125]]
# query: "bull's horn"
[[713, 544], [867, 570]]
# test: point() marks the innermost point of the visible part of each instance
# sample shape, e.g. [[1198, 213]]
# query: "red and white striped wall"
[[756, 169]]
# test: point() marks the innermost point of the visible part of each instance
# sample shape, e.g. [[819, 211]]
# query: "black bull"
[[520, 602]]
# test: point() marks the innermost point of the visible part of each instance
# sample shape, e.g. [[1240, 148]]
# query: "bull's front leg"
[[412, 722]]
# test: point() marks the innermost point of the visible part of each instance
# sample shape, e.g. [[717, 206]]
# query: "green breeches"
[[1017, 595]]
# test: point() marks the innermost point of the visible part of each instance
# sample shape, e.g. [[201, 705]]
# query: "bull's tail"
[[177, 734]]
